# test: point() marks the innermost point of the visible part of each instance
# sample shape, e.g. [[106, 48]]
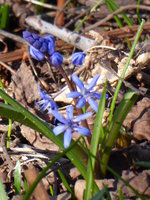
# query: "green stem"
[[124, 71]]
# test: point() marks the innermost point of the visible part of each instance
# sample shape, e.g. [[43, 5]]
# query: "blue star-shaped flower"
[[69, 124], [86, 93], [47, 103]]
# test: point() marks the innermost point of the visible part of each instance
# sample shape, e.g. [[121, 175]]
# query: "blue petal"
[[93, 82], [35, 36], [35, 53], [56, 59], [67, 137], [78, 58], [37, 44], [59, 117], [30, 40], [59, 129], [78, 82], [50, 38], [43, 48], [81, 102], [82, 130], [82, 117], [69, 112], [93, 104], [26, 34], [106, 96], [74, 94], [96, 95]]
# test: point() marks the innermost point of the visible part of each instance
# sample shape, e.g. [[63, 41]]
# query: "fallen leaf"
[[138, 119]]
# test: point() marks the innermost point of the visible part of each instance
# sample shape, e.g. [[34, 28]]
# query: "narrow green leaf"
[[64, 181], [17, 178], [124, 71], [45, 169], [100, 195], [120, 194], [96, 138], [77, 155], [8, 111], [114, 126], [115, 6], [143, 164], [4, 16], [3, 195]]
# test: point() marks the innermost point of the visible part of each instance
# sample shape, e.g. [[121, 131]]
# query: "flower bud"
[[56, 59], [35, 53], [78, 58], [51, 44]]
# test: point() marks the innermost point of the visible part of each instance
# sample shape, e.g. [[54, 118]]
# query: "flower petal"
[[78, 82], [92, 84], [82, 117], [56, 59], [78, 58], [67, 137], [73, 94], [96, 95], [59, 117], [59, 129], [93, 104], [82, 130], [81, 102], [69, 112], [35, 53]]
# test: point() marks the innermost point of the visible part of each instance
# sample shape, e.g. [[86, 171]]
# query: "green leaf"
[[77, 155], [114, 126], [45, 169], [4, 16], [3, 195], [64, 181], [97, 136], [17, 178], [143, 164], [100, 194], [8, 111]]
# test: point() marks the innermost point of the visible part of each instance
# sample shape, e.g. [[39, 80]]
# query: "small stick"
[[7, 67], [110, 16], [44, 27], [60, 13], [44, 5]]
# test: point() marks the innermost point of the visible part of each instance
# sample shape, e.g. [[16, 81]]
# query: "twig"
[[13, 37], [44, 27], [110, 16], [44, 5], [5, 153], [7, 67]]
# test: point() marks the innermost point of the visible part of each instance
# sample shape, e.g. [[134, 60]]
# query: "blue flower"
[[86, 93], [45, 45], [47, 103], [51, 44], [35, 53], [78, 58], [56, 59], [69, 124]]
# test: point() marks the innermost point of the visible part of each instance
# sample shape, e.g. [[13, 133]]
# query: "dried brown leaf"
[[139, 119], [24, 85]]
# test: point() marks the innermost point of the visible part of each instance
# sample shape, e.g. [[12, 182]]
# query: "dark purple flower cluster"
[[39, 47]]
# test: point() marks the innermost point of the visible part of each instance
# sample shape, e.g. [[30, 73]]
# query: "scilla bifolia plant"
[[102, 138]]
